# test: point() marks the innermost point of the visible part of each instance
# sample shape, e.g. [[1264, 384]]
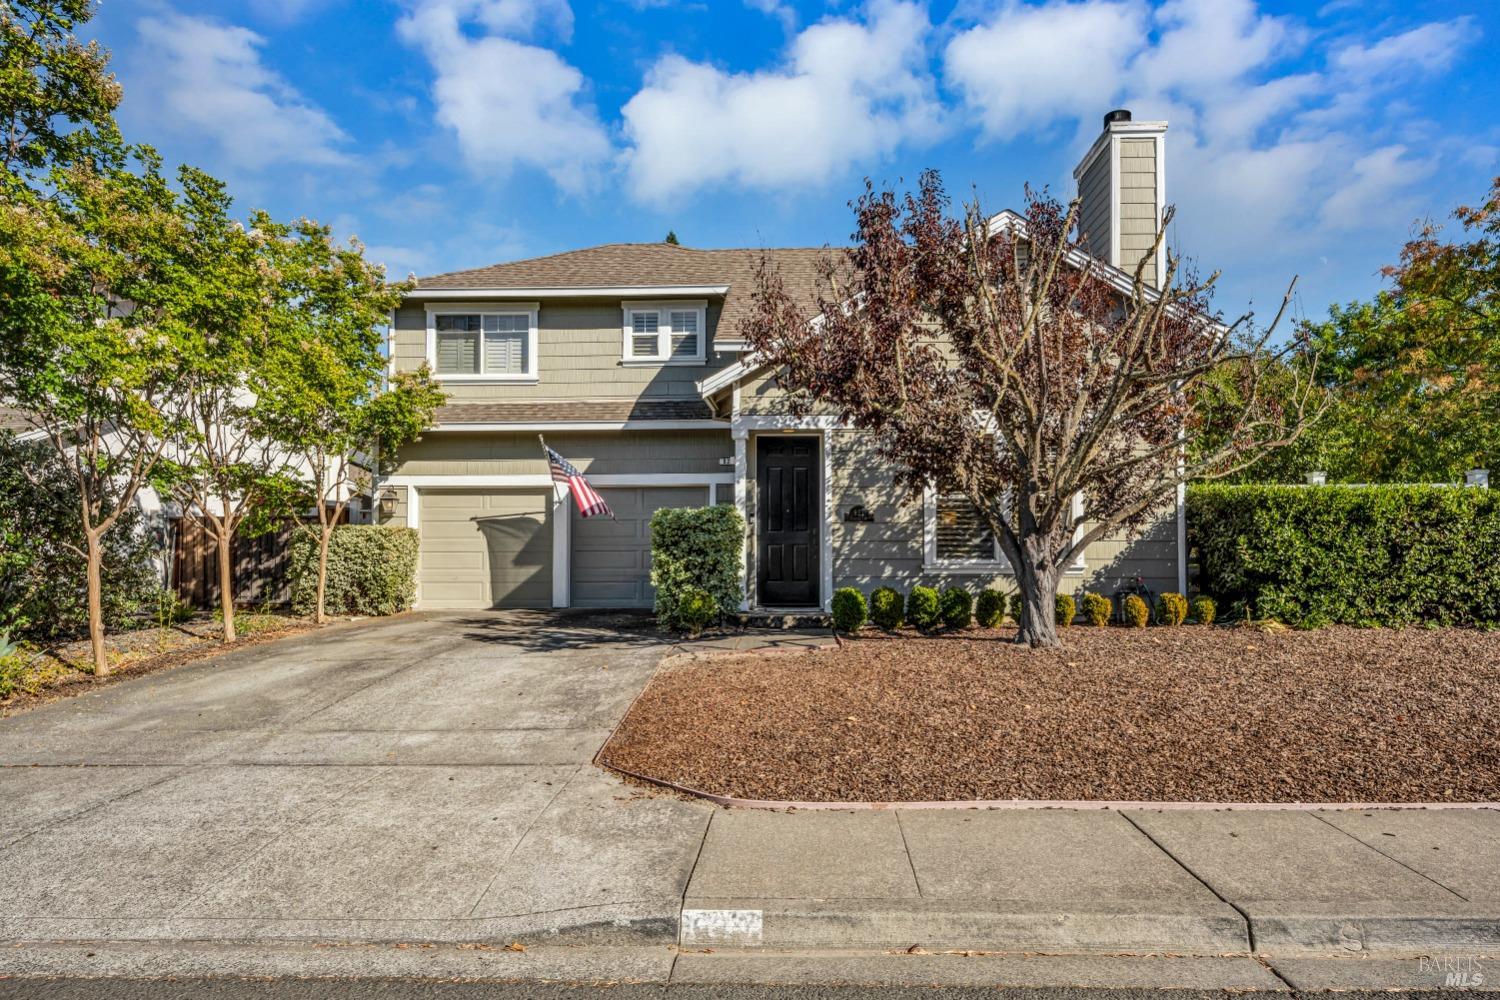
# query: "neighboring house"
[[626, 358]]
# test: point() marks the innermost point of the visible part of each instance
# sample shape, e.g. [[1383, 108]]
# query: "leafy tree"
[[320, 389], [1412, 376], [671, 238], [220, 467], [57, 96], [42, 594], [1000, 363], [87, 274]]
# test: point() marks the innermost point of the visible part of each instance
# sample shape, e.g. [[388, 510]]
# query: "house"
[[626, 358]]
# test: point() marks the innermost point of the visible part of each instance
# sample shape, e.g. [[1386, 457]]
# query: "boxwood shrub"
[[886, 607], [956, 607], [1097, 609], [372, 570], [1204, 610], [1137, 613], [922, 607], [1067, 610], [1171, 608], [696, 547], [1360, 555], [849, 610], [990, 608]]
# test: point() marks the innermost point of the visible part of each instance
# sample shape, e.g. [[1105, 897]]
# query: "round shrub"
[[1171, 608], [1097, 609], [1017, 608], [696, 607], [956, 607], [1066, 609], [1204, 609], [990, 608], [1136, 612], [849, 609], [885, 608], [922, 607]]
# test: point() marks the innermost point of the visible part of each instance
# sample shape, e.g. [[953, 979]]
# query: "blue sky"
[[1305, 138]]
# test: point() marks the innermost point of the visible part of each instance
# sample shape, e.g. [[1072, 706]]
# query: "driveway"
[[421, 778]]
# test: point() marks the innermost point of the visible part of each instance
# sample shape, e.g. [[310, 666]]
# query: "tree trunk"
[[325, 533], [226, 582], [95, 576], [1037, 577]]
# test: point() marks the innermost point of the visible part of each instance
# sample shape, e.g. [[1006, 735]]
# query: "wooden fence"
[[261, 565]]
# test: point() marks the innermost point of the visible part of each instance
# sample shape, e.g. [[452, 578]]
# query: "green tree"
[[88, 277], [221, 468], [671, 238], [320, 392], [57, 96]]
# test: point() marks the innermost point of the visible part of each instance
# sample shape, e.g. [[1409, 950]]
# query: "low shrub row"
[[1356, 555], [926, 608]]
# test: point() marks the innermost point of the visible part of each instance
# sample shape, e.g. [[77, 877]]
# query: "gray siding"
[[1139, 212], [1094, 210], [594, 453], [579, 345]]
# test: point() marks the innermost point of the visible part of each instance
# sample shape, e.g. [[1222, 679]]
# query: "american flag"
[[589, 502]]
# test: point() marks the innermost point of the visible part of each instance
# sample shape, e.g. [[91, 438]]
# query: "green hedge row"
[[696, 555], [372, 570], [1359, 555]]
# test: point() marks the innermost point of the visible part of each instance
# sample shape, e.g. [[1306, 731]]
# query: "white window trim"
[[999, 564], [527, 309], [663, 355]]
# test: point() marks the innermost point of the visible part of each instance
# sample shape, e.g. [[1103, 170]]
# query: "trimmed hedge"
[[990, 608], [696, 547], [1067, 610], [1359, 555], [1136, 613], [922, 607], [956, 607], [1097, 609], [1171, 608], [372, 570], [1204, 610], [886, 606], [849, 610]]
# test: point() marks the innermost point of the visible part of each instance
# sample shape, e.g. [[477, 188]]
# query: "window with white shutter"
[[483, 344], [962, 533], [664, 332]]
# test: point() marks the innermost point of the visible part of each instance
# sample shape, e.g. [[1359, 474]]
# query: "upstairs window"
[[485, 344], [664, 332]]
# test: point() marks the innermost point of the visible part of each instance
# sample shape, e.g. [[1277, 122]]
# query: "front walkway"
[[428, 779]]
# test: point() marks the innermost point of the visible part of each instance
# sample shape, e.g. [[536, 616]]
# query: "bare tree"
[[993, 358]]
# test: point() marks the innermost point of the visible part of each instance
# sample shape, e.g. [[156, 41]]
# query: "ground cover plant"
[[1162, 714]]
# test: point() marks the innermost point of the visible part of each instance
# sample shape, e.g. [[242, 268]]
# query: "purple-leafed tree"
[[995, 359]]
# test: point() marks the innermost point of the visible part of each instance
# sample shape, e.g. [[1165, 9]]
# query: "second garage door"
[[612, 559], [486, 548]]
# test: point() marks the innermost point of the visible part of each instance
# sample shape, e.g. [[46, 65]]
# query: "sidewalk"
[[327, 804]]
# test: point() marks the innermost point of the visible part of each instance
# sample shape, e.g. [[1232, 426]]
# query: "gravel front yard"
[[1192, 713]]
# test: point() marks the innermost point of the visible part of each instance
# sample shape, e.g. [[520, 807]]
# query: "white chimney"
[[1122, 187]]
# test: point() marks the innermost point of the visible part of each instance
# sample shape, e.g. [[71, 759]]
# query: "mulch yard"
[[39, 676], [1166, 714]]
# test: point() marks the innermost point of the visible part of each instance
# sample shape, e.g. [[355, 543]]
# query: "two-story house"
[[626, 358]]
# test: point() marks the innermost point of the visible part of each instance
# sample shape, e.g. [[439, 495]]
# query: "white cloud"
[[1030, 66], [1426, 49], [509, 103], [208, 79], [849, 91], [1266, 147]]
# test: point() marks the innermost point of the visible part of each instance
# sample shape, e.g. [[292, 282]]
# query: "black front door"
[[789, 516]]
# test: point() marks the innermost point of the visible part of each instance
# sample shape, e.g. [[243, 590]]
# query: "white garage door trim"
[[562, 570]]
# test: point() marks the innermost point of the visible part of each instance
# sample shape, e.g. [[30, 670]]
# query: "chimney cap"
[[1117, 115]]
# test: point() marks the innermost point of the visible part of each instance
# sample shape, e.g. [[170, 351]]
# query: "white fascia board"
[[587, 425], [526, 480], [728, 376], [610, 291]]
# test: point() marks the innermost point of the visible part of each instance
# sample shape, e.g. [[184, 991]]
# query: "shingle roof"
[[644, 265], [607, 411]]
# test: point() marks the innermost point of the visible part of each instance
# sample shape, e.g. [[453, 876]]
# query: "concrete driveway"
[[421, 778], [428, 779]]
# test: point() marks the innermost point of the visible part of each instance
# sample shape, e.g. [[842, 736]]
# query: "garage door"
[[486, 548], [612, 559]]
